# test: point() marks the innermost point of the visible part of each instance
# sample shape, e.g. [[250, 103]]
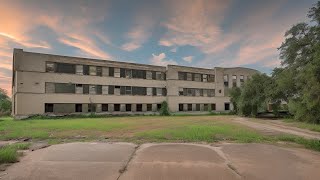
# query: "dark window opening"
[[180, 107], [154, 91], [227, 106], [122, 72], [182, 75], [211, 78], [85, 89], [213, 107], [128, 107], [64, 88], [154, 75], [111, 71], [205, 107], [226, 80], [111, 89], [116, 107], [99, 71], [65, 68], [158, 107], [78, 107], [104, 107], [197, 107], [149, 107], [48, 108], [85, 70], [139, 107], [99, 89], [139, 74], [142, 91], [189, 107]]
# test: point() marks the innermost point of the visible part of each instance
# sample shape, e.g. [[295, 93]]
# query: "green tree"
[[164, 110], [5, 102], [235, 94], [299, 78]]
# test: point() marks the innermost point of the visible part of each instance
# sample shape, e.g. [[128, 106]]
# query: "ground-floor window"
[[149, 107], [139, 107], [189, 107], [116, 107], [213, 107], [104, 107], [205, 107], [91, 107], [227, 106], [48, 107], [128, 107], [158, 107], [180, 107], [197, 107], [78, 107]]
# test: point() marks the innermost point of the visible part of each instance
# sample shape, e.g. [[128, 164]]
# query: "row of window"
[[196, 77], [234, 80], [201, 107], [103, 71], [104, 89], [196, 92], [55, 108]]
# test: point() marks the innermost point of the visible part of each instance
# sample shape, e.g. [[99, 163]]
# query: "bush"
[[164, 110]]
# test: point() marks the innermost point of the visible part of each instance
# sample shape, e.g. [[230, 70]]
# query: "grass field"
[[140, 129], [303, 125]]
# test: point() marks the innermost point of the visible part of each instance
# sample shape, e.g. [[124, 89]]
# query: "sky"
[[198, 33]]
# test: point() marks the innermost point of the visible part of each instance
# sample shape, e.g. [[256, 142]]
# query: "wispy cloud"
[[161, 60], [188, 59]]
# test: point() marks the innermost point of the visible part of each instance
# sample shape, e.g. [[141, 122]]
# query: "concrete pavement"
[[125, 161]]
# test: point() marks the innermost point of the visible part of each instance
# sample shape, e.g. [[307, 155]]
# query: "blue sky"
[[199, 33]]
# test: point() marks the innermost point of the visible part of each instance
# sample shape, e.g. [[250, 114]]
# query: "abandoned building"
[[54, 84]]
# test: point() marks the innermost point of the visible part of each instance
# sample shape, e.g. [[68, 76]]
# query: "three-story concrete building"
[[45, 84]]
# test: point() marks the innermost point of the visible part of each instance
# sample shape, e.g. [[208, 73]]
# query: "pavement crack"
[[124, 168]]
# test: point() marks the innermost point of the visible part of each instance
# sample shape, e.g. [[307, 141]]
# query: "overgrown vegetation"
[[5, 103], [296, 82], [164, 110], [9, 153]]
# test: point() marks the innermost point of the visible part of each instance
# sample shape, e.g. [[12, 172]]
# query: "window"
[[213, 107], [211, 92], [128, 90], [189, 76], [149, 75], [164, 91], [122, 72], [79, 69], [197, 92], [205, 92], [105, 89], [227, 106], [91, 107], [65, 68], [234, 77], [180, 107], [197, 107], [99, 71], [211, 78], [234, 84], [78, 107], [64, 88], [241, 78], [138, 74], [79, 89], [182, 76], [128, 107], [197, 77], [154, 91], [98, 89], [201, 92], [234, 80], [85, 89], [149, 107], [191, 92], [48, 108], [105, 71], [117, 90], [159, 91], [93, 70], [116, 107], [226, 80], [139, 91], [139, 107], [92, 89], [111, 71], [205, 107], [128, 73], [180, 91], [149, 91], [159, 75], [189, 107], [116, 72], [204, 77], [158, 107], [111, 89], [50, 67], [154, 76], [104, 107], [85, 70]]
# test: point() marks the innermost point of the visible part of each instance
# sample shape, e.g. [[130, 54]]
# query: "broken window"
[[79, 89], [159, 75], [111, 89], [159, 91], [122, 72], [189, 76], [227, 106], [154, 91], [116, 72], [205, 93], [180, 91], [154, 76], [111, 71], [149, 107], [50, 67], [64, 88], [98, 89], [182, 75], [241, 78], [78, 107], [197, 77], [204, 77], [128, 90], [116, 107], [149, 91], [99, 71], [48, 108], [180, 107], [92, 89], [211, 78], [197, 92], [139, 74], [128, 73], [213, 107], [158, 107], [128, 107], [117, 90], [211, 92], [139, 107], [85, 89], [149, 75], [205, 107], [65, 68], [226, 80], [189, 107], [93, 70], [104, 107], [85, 70], [79, 69], [105, 89]]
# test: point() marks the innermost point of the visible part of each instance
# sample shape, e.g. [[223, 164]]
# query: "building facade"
[[53, 84]]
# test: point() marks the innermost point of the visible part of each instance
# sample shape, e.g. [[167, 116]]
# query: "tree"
[[164, 110], [5, 102], [235, 94], [299, 78]]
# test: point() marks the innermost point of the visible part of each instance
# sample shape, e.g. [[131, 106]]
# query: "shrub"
[[164, 110]]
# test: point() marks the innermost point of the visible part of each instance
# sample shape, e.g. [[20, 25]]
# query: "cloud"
[[188, 59], [161, 60], [175, 49]]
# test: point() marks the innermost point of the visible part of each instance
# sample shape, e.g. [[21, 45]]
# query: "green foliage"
[[235, 94], [164, 110], [5, 102], [9, 154]]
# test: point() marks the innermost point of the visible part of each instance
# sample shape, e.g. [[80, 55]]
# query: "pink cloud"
[[161, 60]]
